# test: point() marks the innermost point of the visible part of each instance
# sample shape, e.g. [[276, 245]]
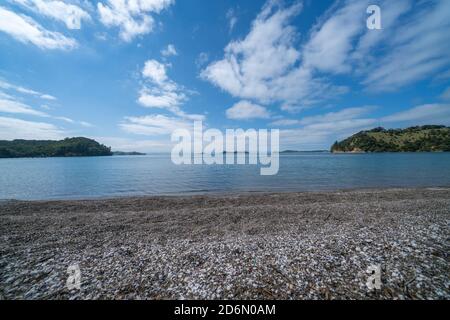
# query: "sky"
[[129, 72]]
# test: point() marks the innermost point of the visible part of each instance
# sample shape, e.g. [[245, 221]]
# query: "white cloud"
[[5, 96], [155, 71], [337, 126], [244, 110], [48, 97], [161, 92], [152, 125], [169, 51], [66, 119], [70, 14], [265, 66], [267, 52], [202, 59], [8, 104], [12, 106], [321, 130], [232, 19], [284, 123], [12, 128], [270, 66], [71, 121], [331, 41], [424, 114], [391, 12], [8, 86], [132, 17], [321, 136], [344, 114], [168, 100], [417, 49], [86, 124], [26, 30], [387, 59]]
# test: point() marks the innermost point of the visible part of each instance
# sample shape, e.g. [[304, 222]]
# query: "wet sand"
[[236, 246]]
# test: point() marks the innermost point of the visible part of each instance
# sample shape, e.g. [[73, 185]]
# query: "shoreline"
[[288, 245], [223, 193]]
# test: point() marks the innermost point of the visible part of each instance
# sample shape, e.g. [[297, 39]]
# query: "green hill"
[[69, 147], [428, 138], [132, 153]]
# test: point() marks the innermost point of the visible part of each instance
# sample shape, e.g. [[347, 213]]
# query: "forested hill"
[[428, 138], [69, 147]]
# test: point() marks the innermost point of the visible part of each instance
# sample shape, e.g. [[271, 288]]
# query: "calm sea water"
[[63, 178]]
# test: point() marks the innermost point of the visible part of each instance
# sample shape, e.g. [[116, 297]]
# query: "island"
[[427, 138], [132, 153], [69, 147]]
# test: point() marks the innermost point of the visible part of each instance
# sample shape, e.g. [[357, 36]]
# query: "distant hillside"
[[415, 139], [69, 147], [132, 153]]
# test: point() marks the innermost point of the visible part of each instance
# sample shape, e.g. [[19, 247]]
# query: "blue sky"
[[128, 73]]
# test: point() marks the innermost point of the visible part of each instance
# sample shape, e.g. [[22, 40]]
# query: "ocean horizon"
[[154, 174]]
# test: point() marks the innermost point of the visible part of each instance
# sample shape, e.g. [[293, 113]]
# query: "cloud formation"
[[152, 125], [423, 114], [418, 48], [26, 30], [321, 129], [161, 92], [68, 13], [133, 17], [8, 86], [245, 110], [266, 66], [270, 65], [344, 114], [12, 106], [12, 128], [232, 19], [169, 51]]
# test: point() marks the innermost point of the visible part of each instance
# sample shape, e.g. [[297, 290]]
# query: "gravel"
[[235, 246]]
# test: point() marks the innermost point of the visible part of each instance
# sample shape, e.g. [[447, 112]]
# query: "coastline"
[[221, 246]]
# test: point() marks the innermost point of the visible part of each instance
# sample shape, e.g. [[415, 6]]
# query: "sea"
[[155, 174]]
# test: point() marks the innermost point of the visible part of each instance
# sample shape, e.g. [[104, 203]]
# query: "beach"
[[309, 245]]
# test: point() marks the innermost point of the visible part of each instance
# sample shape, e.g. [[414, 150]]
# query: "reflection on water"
[[53, 178]]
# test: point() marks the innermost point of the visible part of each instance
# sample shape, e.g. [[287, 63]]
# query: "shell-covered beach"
[[230, 246]]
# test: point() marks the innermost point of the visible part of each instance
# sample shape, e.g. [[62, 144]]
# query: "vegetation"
[[430, 138], [132, 153], [69, 147]]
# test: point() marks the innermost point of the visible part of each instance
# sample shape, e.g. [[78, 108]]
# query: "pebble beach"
[[312, 245]]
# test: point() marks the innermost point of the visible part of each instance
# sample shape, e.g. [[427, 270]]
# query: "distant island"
[[132, 153], [69, 147], [429, 138], [305, 151]]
